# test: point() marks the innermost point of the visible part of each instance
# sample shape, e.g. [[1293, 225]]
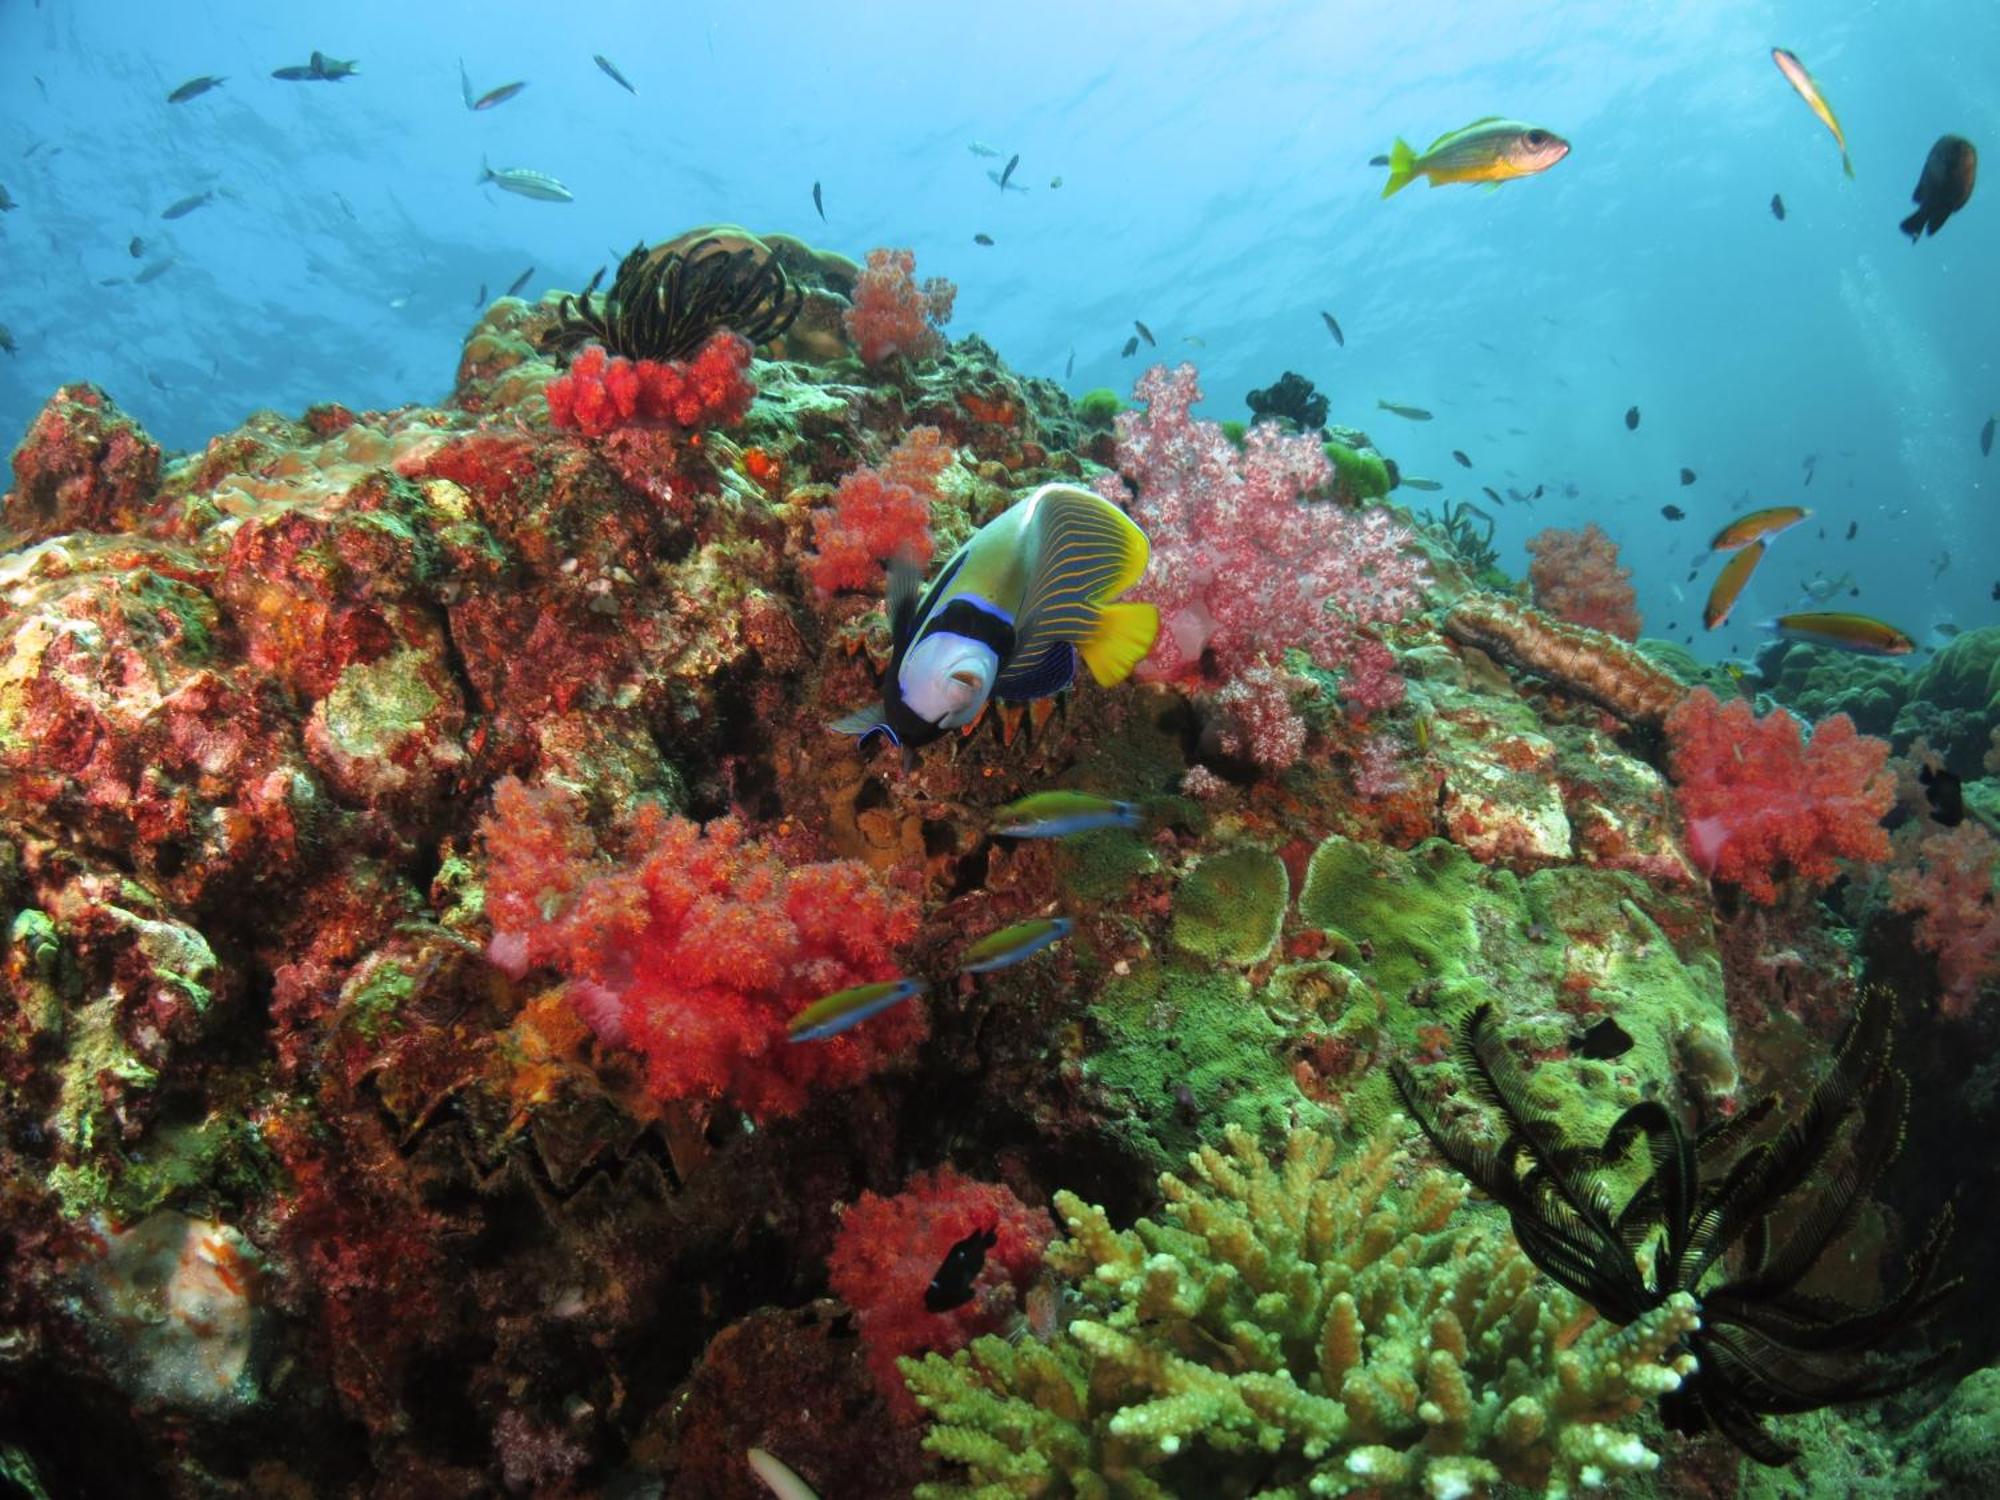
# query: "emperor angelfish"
[[1029, 593]]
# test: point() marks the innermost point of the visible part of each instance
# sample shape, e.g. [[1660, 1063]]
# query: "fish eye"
[[1537, 138]]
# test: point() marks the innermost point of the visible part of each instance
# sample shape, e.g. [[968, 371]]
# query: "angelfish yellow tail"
[[1123, 636], [1402, 167]]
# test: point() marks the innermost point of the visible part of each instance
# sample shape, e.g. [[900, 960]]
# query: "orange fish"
[[1758, 525], [1729, 584], [1863, 634]]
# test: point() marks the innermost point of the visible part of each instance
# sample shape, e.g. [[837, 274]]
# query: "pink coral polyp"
[[696, 946]]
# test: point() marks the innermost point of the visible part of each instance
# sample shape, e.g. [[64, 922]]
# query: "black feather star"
[[665, 302], [1734, 1221]]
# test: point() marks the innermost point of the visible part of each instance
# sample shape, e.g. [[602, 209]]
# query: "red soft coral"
[[1245, 566], [601, 393], [697, 946], [878, 513], [1577, 578], [892, 314], [1760, 802], [888, 1249], [1951, 886]]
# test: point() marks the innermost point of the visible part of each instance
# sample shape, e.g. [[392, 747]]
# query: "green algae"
[[376, 704], [1190, 1052], [374, 999], [1432, 933], [1229, 907], [1103, 865], [1234, 430], [1359, 473], [1096, 408]]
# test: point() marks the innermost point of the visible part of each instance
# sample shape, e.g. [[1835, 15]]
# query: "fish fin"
[[863, 723], [1042, 677], [1402, 167], [1125, 633], [906, 582], [1913, 226], [485, 171], [1847, 166], [1082, 552]]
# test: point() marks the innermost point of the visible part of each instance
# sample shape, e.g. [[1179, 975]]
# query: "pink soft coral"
[[892, 314], [877, 514], [888, 1249], [1245, 566], [696, 946], [1760, 802], [1577, 578], [1951, 887], [601, 393]]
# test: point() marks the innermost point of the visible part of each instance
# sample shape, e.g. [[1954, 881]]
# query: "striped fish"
[[1008, 946], [1028, 596], [849, 1007], [525, 182]]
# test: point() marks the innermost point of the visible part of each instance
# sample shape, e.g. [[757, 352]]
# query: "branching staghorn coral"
[[1589, 663], [1294, 1329]]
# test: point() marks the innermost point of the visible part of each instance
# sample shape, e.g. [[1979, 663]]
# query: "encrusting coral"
[[1293, 1329], [1590, 663]]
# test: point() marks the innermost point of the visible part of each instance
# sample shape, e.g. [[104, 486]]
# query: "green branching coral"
[[1296, 1329]]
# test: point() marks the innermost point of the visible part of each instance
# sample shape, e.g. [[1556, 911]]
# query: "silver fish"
[[525, 182]]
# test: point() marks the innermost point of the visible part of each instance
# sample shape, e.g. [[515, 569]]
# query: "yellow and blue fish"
[[1488, 150], [1008, 946], [1055, 815], [849, 1007], [1029, 595]]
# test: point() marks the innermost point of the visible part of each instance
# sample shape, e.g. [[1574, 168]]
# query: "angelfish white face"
[[945, 678]]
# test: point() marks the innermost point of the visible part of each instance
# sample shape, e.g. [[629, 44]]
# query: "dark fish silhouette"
[[1943, 187], [1777, 208], [1605, 1040], [1069, 365], [1131, 347], [1492, 494], [500, 95], [1986, 439], [818, 204], [1945, 792], [611, 72], [137, 248], [1146, 334], [1687, 477], [1631, 419], [321, 69], [194, 88], [956, 1274], [1673, 512], [982, 239], [1008, 170], [480, 299], [1333, 328], [1464, 462], [187, 206], [519, 282], [1852, 527]]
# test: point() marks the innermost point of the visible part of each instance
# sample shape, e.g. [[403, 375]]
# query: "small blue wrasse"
[[1055, 815], [850, 1007], [1008, 946]]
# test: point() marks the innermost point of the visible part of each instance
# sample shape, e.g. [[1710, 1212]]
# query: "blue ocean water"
[[1213, 162]]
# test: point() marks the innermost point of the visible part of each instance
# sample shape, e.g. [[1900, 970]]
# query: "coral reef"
[[418, 828], [1244, 566], [1588, 663], [892, 314], [1950, 887], [1577, 578], [1300, 1328], [1762, 803], [710, 390], [891, 1253]]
